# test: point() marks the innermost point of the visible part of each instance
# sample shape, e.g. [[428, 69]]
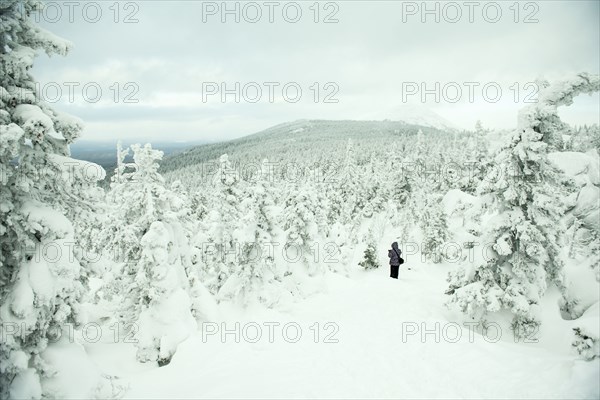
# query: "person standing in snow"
[[395, 260]]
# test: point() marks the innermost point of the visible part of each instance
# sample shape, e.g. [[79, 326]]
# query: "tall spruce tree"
[[40, 189], [150, 267], [528, 200]]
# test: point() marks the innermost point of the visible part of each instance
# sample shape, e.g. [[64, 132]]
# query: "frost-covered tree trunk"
[[40, 189], [528, 200]]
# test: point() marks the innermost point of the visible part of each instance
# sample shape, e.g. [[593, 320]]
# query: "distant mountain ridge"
[[292, 139], [415, 115]]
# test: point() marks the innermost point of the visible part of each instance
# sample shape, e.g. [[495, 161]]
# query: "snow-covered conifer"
[[529, 201], [40, 189], [434, 227], [369, 260]]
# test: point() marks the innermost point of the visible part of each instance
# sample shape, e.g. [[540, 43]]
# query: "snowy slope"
[[584, 168], [377, 355], [293, 139]]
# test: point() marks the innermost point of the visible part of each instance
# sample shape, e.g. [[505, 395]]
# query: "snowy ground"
[[375, 355]]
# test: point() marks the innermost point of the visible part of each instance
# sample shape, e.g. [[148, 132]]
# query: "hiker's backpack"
[[400, 259]]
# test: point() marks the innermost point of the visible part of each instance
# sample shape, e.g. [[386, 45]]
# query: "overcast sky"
[[377, 57]]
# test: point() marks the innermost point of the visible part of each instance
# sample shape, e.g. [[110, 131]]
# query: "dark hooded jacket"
[[394, 255]]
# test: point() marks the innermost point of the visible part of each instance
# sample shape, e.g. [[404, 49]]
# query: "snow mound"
[[587, 333], [587, 207], [582, 167], [79, 169], [170, 321], [78, 376], [457, 199]]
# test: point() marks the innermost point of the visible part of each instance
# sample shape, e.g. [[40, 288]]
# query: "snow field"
[[377, 354]]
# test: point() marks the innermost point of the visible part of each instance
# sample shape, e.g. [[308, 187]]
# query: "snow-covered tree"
[[528, 202], [434, 227], [369, 260], [137, 201], [587, 334], [398, 185], [40, 189], [479, 127], [585, 243], [199, 205], [586, 343], [473, 161], [586, 138], [344, 193], [164, 317], [220, 249], [301, 230], [256, 276]]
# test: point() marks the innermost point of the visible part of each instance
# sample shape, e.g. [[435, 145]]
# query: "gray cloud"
[[369, 54]]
